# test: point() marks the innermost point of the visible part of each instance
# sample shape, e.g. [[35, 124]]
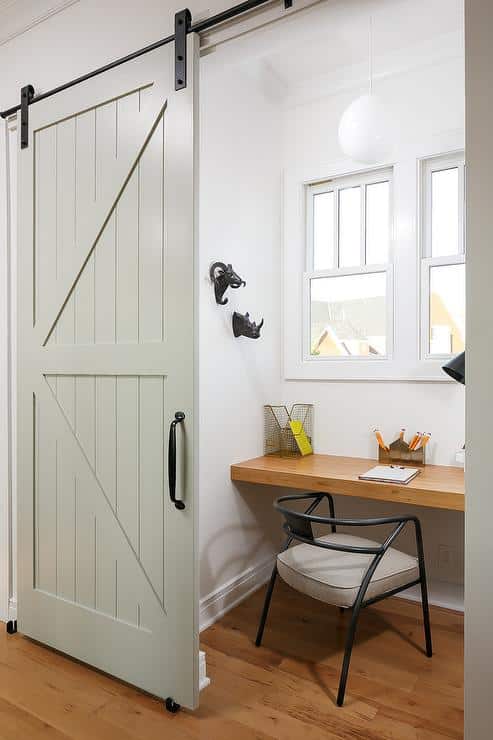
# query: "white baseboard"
[[222, 600], [440, 593]]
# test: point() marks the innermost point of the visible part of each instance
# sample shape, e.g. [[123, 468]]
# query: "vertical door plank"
[[128, 503], [151, 479], [104, 254], [46, 214], [85, 184], [65, 326], [85, 181], [126, 604], [106, 436], [65, 394], [85, 415], [84, 305], [105, 274], [129, 136], [85, 540], [66, 518], [66, 383], [46, 501], [65, 178], [127, 268], [105, 151], [105, 571], [151, 239]]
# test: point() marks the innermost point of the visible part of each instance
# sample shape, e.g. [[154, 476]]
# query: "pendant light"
[[363, 128]]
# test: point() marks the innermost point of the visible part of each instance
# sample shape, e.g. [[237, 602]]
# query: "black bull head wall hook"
[[224, 277], [243, 327]]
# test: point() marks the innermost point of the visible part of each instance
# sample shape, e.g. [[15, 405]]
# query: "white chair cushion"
[[335, 577]]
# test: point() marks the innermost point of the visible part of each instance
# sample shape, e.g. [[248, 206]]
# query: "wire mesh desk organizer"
[[288, 433]]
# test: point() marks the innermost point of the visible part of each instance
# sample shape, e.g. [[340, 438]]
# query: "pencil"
[[425, 439], [380, 440]]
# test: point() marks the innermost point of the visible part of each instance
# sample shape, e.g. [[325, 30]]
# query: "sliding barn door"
[[107, 563]]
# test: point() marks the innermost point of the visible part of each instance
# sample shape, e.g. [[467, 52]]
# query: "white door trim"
[[8, 200]]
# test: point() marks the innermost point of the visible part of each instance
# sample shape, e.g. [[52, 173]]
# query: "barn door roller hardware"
[[27, 94], [183, 26], [183, 21]]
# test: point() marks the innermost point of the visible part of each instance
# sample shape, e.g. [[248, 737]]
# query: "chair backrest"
[[298, 525]]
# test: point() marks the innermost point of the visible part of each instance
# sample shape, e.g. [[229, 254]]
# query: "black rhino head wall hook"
[[224, 277], [243, 327]]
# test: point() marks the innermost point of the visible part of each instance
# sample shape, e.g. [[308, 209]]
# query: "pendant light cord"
[[370, 55]]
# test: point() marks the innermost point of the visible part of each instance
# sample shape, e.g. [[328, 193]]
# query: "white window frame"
[[335, 185], [406, 362], [298, 363], [427, 166]]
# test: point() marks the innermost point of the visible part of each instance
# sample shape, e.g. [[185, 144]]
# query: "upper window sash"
[[429, 167], [335, 186], [432, 258]]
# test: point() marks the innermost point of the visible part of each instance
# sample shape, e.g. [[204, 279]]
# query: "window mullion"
[[337, 256], [428, 251], [310, 229], [363, 226]]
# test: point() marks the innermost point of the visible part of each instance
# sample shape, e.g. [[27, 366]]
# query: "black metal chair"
[[341, 569]]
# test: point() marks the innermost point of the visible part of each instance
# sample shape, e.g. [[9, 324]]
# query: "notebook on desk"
[[390, 474]]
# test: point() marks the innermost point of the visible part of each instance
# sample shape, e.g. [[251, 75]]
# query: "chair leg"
[[347, 655], [426, 617], [424, 588], [265, 609]]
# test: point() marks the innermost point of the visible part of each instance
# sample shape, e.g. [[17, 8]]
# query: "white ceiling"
[[329, 42], [17, 16]]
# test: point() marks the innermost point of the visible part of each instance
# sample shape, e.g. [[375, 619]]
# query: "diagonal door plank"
[[53, 304], [46, 392]]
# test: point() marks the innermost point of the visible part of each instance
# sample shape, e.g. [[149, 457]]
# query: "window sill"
[[365, 371]]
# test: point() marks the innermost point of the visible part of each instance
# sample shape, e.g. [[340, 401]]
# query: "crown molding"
[[19, 16]]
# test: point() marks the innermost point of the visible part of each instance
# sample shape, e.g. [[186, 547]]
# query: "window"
[[442, 257], [373, 267], [348, 277]]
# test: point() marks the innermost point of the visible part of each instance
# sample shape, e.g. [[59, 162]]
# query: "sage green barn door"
[[107, 564]]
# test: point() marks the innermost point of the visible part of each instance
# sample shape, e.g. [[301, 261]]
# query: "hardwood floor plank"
[[283, 690], [16, 722]]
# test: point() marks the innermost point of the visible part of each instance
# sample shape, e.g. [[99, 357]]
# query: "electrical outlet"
[[446, 557]]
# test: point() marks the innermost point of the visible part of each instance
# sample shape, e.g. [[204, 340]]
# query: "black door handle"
[[179, 417]]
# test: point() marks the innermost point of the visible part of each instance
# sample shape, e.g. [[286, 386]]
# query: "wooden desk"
[[437, 486]]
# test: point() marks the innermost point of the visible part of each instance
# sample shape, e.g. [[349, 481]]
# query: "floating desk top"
[[437, 486]]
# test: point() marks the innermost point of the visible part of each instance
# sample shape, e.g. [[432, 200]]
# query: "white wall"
[[426, 102], [479, 503], [272, 123], [240, 224]]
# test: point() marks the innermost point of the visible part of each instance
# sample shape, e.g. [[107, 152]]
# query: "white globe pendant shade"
[[364, 130]]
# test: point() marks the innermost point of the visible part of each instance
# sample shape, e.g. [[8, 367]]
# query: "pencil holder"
[[399, 452], [278, 436]]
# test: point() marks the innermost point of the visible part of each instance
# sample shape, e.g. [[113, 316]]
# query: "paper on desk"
[[390, 474]]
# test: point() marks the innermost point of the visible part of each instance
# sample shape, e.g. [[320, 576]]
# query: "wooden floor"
[[285, 689]]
